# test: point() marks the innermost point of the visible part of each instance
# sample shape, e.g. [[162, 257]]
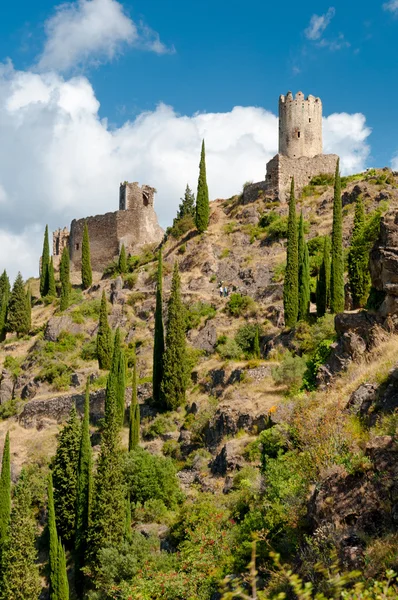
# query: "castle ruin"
[[300, 152], [134, 225]]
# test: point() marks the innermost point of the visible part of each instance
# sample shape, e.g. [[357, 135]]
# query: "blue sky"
[[99, 91]]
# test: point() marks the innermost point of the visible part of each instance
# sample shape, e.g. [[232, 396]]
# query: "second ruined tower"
[[300, 125]]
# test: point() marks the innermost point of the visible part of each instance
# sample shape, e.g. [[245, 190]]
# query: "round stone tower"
[[300, 125]]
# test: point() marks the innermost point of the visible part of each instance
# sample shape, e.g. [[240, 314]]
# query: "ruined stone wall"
[[104, 243], [132, 196], [300, 126], [60, 241]]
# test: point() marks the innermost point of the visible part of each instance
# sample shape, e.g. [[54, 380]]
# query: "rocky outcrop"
[[206, 338], [384, 263], [228, 459], [6, 386], [56, 325]]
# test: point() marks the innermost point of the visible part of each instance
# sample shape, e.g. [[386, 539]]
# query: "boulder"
[[6, 386], [206, 338], [362, 399], [57, 324], [228, 459]]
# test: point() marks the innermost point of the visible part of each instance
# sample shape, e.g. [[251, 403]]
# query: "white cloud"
[[59, 160], [89, 32], [394, 163], [392, 6], [318, 24]]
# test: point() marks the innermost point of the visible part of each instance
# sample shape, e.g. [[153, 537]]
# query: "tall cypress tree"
[[117, 375], [20, 571], [290, 288], [29, 306], [104, 337], [87, 274], [5, 291], [122, 265], [53, 542], [64, 271], [65, 465], [83, 495], [175, 360], [202, 213], [45, 261], [62, 576], [304, 274], [358, 258], [158, 346], [323, 282], [52, 289], [256, 344], [127, 529], [337, 267], [5, 491], [134, 414], [5, 287], [18, 314]]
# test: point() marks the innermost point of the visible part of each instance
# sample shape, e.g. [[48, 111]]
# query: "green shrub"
[[172, 448], [195, 312], [135, 297], [307, 337], [181, 227], [245, 338], [182, 249], [89, 350], [319, 358], [239, 305], [290, 372], [13, 364], [8, 409], [53, 371], [160, 425], [229, 349], [65, 344], [225, 253], [323, 179], [130, 280], [152, 511], [89, 309]]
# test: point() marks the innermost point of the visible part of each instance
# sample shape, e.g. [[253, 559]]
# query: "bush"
[[53, 371], [319, 358], [245, 337], [229, 349], [323, 179], [195, 312], [172, 448], [65, 344], [239, 305], [159, 426], [89, 350], [151, 477], [135, 297], [130, 280], [308, 337], [152, 511], [181, 227], [89, 309], [290, 372], [8, 409]]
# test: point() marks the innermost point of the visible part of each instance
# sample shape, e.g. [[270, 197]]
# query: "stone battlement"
[[300, 125]]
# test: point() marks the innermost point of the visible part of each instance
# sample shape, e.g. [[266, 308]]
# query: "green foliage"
[[162, 423], [5, 491], [308, 337], [303, 274], [104, 337], [323, 179], [319, 358], [5, 291], [202, 213], [239, 305], [134, 414], [62, 576], [290, 372], [184, 220], [64, 271], [122, 264], [84, 487], [290, 288], [18, 314], [228, 348], [375, 299], [64, 470], [52, 289], [323, 282], [87, 274], [174, 381], [337, 298], [52, 542], [151, 477], [45, 261], [245, 337], [194, 313], [20, 571], [256, 344], [158, 345], [116, 385]]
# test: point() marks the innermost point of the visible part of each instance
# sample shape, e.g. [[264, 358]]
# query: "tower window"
[[298, 134], [77, 246], [309, 120]]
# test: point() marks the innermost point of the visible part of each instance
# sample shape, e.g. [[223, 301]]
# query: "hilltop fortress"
[[300, 149], [134, 224]]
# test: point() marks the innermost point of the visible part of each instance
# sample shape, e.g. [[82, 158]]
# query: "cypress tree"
[[20, 571], [62, 576], [117, 376], [187, 205], [5, 287], [83, 495], [358, 258], [290, 288], [304, 274], [5, 291], [52, 289], [45, 261], [323, 282], [65, 465], [18, 314], [5, 491], [104, 337], [175, 361], [134, 414], [202, 213], [87, 274], [256, 344], [64, 271], [29, 307], [53, 542], [158, 346], [122, 265], [127, 528], [337, 267]]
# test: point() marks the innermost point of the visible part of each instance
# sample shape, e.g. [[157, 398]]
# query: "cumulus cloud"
[[59, 160], [394, 162], [392, 6], [318, 24], [89, 32]]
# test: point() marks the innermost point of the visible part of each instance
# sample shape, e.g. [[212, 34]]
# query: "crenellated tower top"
[[300, 125]]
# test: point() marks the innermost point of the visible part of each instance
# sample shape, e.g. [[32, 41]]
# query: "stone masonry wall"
[[104, 243], [300, 126]]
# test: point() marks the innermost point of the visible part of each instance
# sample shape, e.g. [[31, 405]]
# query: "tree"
[[174, 382], [87, 274], [158, 346], [187, 205], [134, 414], [62, 576], [202, 213], [256, 344], [304, 274], [83, 495], [5, 287], [127, 528], [52, 289], [104, 337], [64, 466], [323, 282], [45, 261], [20, 571], [29, 307], [4, 299], [18, 314], [52, 542], [358, 258], [337, 268], [117, 377], [5, 491], [290, 288], [64, 272], [122, 265]]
